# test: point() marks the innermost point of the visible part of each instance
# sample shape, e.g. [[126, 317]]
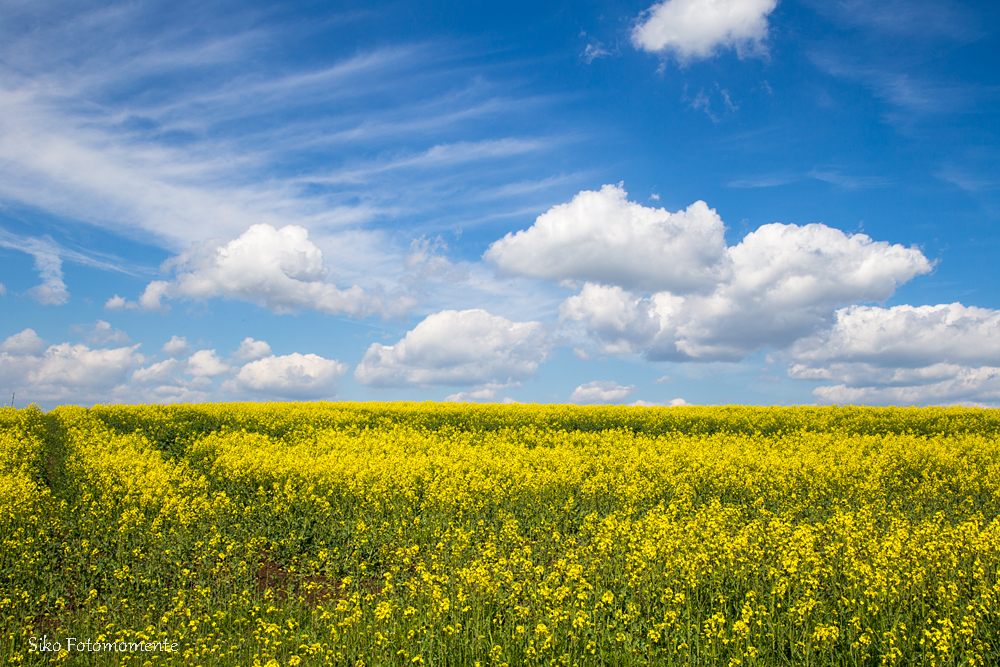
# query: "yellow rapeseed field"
[[408, 534]]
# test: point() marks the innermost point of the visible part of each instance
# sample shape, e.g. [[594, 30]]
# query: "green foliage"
[[521, 535]]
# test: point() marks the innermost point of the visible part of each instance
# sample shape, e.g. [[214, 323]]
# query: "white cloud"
[[25, 343], [780, 283], [152, 297], [290, 376], [102, 333], [163, 382], [469, 347], [604, 238], [653, 404], [600, 392], [422, 252], [115, 303], [49, 257], [425, 263], [81, 139], [52, 290], [176, 346], [946, 353], [50, 293], [3, 290], [442, 154], [206, 363], [278, 269], [64, 372], [622, 322], [89, 166], [695, 29], [176, 390], [68, 373], [68, 366], [594, 51], [962, 385], [907, 336], [159, 373], [485, 393], [862, 374], [251, 350]]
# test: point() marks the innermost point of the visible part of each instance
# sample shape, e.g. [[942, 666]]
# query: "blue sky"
[[696, 201]]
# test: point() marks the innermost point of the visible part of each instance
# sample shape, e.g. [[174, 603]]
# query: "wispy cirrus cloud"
[[440, 155], [84, 257], [593, 51], [52, 290], [835, 176], [890, 81], [922, 19], [901, 52], [172, 137], [764, 181]]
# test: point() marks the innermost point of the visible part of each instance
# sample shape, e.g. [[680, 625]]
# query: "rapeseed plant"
[[392, 534]]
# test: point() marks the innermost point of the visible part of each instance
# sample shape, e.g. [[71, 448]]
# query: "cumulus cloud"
[[164, 382], [677, 402], [161, 372], [206, 363], [278, 269], [151, 298], [960, 385], [946, 353], [68, 373], [175, 347], [780, 283], [67, 366], [696, 29], [102, 333], [63, 372], [907, 336], [604, 238], [116, 303], [264, 375], [485, 393], [251, 350], [469, 347], [291, 376], [601, 392], [26, 343]]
